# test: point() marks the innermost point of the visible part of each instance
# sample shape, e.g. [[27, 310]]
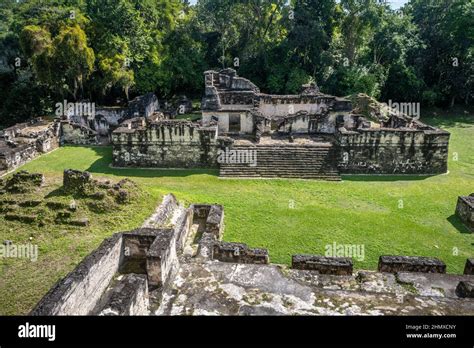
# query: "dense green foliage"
[[109, 50]]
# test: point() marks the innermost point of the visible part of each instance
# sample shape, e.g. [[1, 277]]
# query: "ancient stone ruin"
[[22, 201], [164, 143], [23, 142], [465, 211], [177, 264], [309, 135], [84, 129]]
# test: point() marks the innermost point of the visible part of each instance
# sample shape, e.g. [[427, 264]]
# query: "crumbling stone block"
[[160, 257], [30, 203], [323, 264], [214, 221], [23, 182], [239, 253], [469, 268], [465, 289], [394, 264], [55, 205], [465, 211], [21, 218], [82, 222], [76, 181]]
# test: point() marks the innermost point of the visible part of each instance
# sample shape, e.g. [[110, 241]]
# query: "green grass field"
[[285, 216]]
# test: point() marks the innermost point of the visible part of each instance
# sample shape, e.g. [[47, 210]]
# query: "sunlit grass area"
[[387, 215]]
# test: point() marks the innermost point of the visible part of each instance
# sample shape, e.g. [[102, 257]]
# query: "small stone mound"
[[23, 182], [370, 108], [104, 193], [76, 181]]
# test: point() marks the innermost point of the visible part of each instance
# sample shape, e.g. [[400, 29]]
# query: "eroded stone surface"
[[218, 288]]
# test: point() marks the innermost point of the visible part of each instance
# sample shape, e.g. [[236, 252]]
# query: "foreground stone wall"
[[167, 144], [80, 291], [392, 151]]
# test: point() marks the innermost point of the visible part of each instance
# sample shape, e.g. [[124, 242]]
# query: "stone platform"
[[218, 288]]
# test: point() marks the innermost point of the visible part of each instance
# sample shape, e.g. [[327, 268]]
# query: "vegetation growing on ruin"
[[388, 215]]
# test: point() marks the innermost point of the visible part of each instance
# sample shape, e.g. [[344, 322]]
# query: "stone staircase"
[[303, 161]]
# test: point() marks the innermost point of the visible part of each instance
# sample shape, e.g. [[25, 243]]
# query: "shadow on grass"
[[56, 193], [103, 166], [449, 118], [385, 177], [457, 224]]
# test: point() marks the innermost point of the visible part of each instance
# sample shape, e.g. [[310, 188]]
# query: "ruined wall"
[[11, 158], [469, 267], [322, 264], [392, 151], [85, 129], [77, 134], [166, 144], [79, 292], [23, 142], [161, 257], [465, 211], [283, 105], [239, 253], [394, 264]]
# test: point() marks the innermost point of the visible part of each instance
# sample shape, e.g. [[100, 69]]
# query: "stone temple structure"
[[309, 135]]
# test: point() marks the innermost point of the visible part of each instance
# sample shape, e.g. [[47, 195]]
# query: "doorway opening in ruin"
[[234, 123]]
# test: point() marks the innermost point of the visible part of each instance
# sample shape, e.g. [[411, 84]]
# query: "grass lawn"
[[285, 216]]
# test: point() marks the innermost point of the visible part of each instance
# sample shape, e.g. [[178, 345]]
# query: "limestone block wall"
[[79, 292], [215, 221], [163, 212], [322, 264], [392, 151], [282, 106], [25, 141], [394, 264], [166, 144], [182, 227], [465, 211], [13, 158], [239, 253], [161, 258]]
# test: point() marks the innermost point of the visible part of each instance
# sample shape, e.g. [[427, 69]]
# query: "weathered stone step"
[[286, 161]]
